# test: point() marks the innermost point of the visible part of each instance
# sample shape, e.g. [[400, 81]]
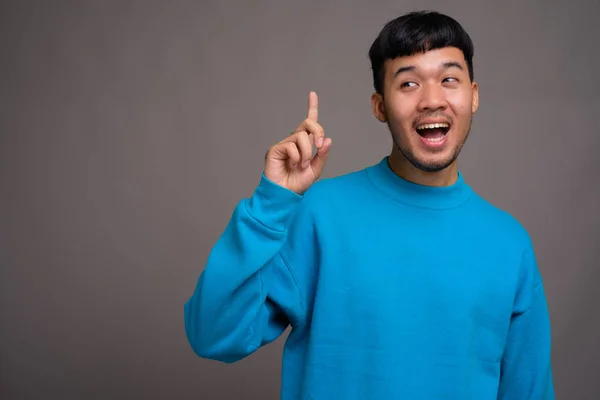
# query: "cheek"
[[462, 104], [400, 112]]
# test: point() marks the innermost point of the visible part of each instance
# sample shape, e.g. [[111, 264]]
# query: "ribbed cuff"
[[272, 204]]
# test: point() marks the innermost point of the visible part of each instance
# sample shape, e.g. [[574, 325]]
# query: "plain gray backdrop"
[[131, 129]]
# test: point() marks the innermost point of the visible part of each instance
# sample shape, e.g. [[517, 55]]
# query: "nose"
[[432, 98]]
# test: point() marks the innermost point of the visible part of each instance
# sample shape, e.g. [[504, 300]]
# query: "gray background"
[[130, 130]]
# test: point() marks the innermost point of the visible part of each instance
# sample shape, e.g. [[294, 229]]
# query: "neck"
[[403, 168]]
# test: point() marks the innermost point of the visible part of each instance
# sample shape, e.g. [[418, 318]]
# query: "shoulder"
[[502, 223], [512, 237], [331, 188], [329, 198]]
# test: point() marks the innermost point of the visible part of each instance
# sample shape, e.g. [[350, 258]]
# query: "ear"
[[475, 98], [378, 107]]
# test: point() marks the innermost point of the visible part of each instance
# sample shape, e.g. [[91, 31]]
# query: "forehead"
[[429, 61]]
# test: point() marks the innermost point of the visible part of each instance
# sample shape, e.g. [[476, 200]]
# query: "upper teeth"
[[433, 126]]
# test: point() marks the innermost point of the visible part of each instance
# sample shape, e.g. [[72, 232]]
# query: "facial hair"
[[434, 166]]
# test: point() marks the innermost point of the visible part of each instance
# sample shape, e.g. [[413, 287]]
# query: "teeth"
[[435, 139], [433, 126]]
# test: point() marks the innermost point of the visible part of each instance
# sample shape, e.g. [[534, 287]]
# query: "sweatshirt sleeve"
[[247, 295], [526, 371]]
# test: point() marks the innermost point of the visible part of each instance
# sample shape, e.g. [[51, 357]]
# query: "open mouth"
[[433, 132]]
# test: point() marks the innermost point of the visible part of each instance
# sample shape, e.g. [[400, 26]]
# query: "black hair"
[[417, 32]]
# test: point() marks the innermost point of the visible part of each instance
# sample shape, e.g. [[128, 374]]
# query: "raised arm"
[[247, 294]]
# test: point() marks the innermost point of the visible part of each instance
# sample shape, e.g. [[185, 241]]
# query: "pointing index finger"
[[313, 106]]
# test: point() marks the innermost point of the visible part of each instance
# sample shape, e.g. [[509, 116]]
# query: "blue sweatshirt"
[[393, 290]]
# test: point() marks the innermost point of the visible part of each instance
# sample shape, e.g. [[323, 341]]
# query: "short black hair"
[[417, 32]]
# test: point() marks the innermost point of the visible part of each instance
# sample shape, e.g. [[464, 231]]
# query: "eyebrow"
[[446, 65]]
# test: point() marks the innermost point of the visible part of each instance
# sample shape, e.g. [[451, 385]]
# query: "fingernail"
[[320, 142], [306, 164]]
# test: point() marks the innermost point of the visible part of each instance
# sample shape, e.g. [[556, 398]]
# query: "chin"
[[431, 164]]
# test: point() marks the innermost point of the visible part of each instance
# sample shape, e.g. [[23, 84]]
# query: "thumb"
[[318, 162]]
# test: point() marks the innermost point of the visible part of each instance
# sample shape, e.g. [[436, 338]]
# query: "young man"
[[398, 280]]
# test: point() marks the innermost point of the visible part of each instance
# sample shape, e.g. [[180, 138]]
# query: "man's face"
[[428, 105]]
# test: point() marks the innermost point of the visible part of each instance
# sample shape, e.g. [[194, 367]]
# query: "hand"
[[290, 163]]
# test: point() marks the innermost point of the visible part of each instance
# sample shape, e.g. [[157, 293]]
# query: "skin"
[[290, 163], [434, 84]]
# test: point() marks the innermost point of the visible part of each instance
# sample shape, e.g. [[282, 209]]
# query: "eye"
[[407, 84], [450, 80]]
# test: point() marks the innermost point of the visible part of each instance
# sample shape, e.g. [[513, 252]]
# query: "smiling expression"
[[428, 103]]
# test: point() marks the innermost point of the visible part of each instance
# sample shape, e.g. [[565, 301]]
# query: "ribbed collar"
[[435, 197]]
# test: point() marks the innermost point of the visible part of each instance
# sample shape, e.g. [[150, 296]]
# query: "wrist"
[[273, 204]]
